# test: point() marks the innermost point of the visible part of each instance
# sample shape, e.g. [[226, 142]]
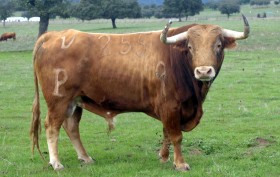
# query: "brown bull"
[[6, 36], [165, 77]]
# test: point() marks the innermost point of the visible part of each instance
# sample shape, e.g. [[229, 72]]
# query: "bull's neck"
[[204, 88], [186, 84]]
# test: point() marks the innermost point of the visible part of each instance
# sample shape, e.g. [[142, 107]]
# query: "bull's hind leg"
[[71, 126], [54, 120]]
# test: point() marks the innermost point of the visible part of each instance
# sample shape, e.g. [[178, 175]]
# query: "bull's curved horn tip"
[[245, 20], [170, 22]]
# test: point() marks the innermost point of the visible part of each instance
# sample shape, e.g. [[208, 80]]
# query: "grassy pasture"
[[238, 135]]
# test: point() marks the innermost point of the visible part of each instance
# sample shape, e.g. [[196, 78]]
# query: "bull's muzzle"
[[204, 73]]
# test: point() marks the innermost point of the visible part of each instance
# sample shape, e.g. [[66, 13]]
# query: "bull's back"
[[119, 68]]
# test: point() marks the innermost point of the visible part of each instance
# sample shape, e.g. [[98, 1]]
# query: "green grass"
[[238, 134]]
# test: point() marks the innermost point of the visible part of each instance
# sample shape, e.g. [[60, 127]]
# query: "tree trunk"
[[4, 23], [43, 24], [228, 16], [180, 19], [114, 22]]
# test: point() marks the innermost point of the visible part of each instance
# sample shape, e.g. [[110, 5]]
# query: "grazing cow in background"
[[6, 36], [164, 74]]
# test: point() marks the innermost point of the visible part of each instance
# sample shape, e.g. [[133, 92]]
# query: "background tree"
[[85, 10], [260, 2], [108, 9], [46, 9], [159, 12], [173, 8], [193, 7], [148, 11], [244, 1], [27, 14], [180, 8], [6, 10], [229, 7], [113, 9], [212, 4], [153, 10]]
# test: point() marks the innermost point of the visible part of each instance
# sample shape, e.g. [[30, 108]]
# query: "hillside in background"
[[157, 2], [148, 2], [145, 2], [75, 1]]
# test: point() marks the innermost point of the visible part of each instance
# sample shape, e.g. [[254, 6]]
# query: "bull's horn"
[[238, 35], [174, 39]]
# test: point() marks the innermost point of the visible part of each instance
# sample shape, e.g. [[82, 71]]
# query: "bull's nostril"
[[209, 71], [198, 72]]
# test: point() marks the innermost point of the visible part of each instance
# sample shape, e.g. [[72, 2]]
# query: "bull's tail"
[[35, 129]]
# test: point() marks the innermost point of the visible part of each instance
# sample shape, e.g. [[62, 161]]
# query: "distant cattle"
[[165, 74], [6, 36]]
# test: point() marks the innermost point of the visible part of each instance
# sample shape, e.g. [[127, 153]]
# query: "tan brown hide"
[[163, 74]]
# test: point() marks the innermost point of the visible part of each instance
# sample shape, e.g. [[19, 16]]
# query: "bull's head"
[[205, 45]]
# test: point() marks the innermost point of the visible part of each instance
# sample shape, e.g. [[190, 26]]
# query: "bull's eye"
[[189, 47], [219, 45]]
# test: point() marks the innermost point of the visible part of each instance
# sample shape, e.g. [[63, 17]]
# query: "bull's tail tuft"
[[35, 129]]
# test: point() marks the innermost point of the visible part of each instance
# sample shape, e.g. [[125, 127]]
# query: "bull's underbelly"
[[109, 111]]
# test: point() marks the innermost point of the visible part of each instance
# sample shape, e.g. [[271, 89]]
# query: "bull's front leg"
[[171, 123], [164, 151], [179, 163]]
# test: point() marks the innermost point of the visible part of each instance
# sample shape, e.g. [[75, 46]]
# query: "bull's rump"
[[117, 71]]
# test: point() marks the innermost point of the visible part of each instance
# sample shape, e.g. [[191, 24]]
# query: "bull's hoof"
[[57, 166], [182, 167], [163, 159], [86, 160]]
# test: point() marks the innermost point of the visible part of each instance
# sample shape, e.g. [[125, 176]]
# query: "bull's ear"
[[181, 46], [230, 43]]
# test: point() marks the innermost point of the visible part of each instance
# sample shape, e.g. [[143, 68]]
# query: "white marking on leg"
[[58, 82], [52, 140], [63, 45]]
